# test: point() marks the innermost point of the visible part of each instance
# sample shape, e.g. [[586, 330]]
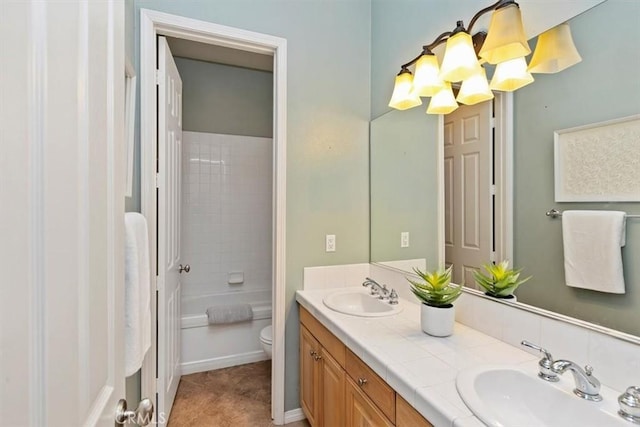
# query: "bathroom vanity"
[[337, 388], [384, 371]]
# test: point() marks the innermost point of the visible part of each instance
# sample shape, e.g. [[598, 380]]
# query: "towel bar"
[[554, 213]]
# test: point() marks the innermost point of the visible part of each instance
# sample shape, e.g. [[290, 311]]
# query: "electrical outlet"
[[404, 239], [330, 243]]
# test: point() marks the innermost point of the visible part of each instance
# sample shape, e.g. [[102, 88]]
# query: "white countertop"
[[421, 368]]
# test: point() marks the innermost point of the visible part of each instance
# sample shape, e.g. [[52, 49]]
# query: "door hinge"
[[157, 180], [492, 122], [492, 257], [158, 77], [492, 189]]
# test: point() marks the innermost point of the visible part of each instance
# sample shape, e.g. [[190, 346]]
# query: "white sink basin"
[[358, 302], [507, 397]]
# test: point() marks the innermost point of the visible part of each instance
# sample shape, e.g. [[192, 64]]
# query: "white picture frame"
[[599, 162], [129, 122]]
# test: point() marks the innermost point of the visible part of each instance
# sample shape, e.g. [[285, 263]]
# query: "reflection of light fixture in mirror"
[[403, 97], [427, 81], [506, 38], [511, 75], [555, 51], [475, 89], [460, 61], [443, 102]]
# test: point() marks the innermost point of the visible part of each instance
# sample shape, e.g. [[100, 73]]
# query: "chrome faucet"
[[587, 386], [376, 289], [546, 373]]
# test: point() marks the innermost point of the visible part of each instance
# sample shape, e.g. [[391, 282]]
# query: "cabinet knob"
[[313, 353], [317, 357], [362, 381]]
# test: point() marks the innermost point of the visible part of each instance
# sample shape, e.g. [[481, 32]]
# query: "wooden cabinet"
[[338, 389], [407, 416], [361, 411]]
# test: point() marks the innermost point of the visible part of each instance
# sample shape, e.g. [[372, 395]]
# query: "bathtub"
[[206, 347]]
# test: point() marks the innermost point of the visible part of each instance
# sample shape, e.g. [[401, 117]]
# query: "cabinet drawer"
[[407, 416], [372, 385], [329, 341]]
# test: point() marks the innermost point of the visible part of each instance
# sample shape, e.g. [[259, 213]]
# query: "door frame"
[[153, 24], [503, 154]]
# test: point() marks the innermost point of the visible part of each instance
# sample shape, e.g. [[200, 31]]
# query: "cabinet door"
[[407, 416], [333, 390], [310, 377], [361, 412]]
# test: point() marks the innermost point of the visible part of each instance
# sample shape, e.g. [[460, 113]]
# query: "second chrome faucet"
[[587, 386], [382, 291]]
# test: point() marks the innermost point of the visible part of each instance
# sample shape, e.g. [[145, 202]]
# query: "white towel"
[[231, 313], [592, 254], [137, 292]]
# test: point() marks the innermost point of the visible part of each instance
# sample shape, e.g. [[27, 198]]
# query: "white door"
[[61, 212], [169, 172], [468, 183]]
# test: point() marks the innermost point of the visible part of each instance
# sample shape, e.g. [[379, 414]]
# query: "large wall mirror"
[[406, 188]]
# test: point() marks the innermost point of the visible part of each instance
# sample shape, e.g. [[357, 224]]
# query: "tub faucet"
[[587, 386], [376, 289]]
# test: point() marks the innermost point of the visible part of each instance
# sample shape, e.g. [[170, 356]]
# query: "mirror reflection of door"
[[469, 190]]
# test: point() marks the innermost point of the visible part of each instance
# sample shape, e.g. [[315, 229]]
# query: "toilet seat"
[[265, 335]]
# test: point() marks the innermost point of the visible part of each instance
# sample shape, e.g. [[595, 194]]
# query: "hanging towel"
[[231, 313], [592, 254], [137, 292]]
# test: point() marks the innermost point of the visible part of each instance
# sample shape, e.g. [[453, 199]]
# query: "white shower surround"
[[226, 212]]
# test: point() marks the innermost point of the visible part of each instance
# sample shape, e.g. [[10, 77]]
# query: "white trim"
[[36, 275], [440, 217], [130, 82], [222, 362], [294, 415], [153, 23]]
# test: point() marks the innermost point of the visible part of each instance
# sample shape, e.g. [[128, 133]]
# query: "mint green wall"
[[223, 99], [605, 85], [403, 162], [328, 108]]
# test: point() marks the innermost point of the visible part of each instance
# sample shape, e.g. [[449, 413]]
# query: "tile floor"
[[239, 396]]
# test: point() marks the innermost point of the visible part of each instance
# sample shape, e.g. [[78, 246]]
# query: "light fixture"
[[460, 61], [555, 51], [506, 38], [475, 89], [443, 102], [403, 97], [505, 45], [427, 81], [511, 75]]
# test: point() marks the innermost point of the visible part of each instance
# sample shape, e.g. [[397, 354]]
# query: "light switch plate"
[[404, 239], [330, 243]]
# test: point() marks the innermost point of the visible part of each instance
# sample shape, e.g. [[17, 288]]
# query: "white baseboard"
[[293, 416], [222, 362]]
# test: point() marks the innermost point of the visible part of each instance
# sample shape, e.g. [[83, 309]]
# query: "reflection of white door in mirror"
[[468, 141]]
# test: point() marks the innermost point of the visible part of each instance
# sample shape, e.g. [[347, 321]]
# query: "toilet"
[[265, 340]]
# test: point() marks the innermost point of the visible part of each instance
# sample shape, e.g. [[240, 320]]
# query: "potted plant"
[[437, 293], [501, 281]]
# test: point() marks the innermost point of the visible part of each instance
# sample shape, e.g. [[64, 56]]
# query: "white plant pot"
[[437, 321]]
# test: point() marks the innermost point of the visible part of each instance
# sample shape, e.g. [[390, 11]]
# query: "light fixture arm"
[[495, 6], [426, 49]]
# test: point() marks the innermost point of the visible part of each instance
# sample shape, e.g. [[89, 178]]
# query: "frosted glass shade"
[[403, 97], [427, 81], [475, 89], [443, 102], [555, 51], [460, 60], [506, 38], [511, 75]]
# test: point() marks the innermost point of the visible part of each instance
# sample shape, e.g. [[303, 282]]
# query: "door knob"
[[142, 416], [186, 268]]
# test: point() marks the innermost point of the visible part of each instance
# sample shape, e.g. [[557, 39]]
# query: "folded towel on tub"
[[230, 313]]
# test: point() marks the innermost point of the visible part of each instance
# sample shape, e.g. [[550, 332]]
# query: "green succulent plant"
[[500, 281], [437, 289]]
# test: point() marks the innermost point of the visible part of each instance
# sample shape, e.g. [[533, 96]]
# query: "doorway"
[[154, 24], [476, 201]]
